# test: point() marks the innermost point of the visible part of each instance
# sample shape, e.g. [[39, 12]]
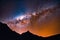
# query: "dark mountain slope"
[[30, 36], [7, 34], [54, 37]]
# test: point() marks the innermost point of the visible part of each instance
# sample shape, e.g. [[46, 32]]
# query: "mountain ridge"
[[8, 34]]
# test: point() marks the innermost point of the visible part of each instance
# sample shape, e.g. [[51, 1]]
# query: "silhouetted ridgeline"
[[7, 34], [54, 37]]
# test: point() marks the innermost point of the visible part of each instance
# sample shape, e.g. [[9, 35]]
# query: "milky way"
[[37, 16]]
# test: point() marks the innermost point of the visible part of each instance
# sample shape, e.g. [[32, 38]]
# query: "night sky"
[[13, 8]]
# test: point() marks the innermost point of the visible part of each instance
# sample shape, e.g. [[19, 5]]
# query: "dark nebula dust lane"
[[40, 17]]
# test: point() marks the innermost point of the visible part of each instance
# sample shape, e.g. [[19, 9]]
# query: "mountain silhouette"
[[30, 36], [7, 34], [54, 37]]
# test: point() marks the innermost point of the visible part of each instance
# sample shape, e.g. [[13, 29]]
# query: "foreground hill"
[[7, 34]]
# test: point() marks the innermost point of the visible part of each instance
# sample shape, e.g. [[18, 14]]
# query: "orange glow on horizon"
[[46, 29]]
